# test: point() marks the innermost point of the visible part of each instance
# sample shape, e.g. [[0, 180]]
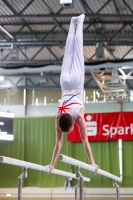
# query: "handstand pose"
[[71, 109]]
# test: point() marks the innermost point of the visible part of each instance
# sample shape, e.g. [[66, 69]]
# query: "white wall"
[[19, 111], [50, 110], [46, 110], [108, 107]]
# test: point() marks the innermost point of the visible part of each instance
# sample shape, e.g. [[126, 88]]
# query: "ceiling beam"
[[26, 6], [91, 21], [118, 31], [128, 6], [104, 5], [30, 75], [15, 12], [24, 54], [57, 39], [94, 15], [54, 19], [65, 23], [42, 87], [63, 43], [55, 65], [127, 53], [26, 63], [45, 36]]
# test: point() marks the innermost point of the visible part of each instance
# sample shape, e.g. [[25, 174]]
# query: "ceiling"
[[33, 36]]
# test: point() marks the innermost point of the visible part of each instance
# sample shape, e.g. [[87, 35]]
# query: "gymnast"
[[71, 108]]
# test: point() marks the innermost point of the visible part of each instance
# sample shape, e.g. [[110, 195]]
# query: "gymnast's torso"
[[71, 102]]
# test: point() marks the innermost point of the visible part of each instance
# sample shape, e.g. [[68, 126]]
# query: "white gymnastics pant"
[[72, 73]]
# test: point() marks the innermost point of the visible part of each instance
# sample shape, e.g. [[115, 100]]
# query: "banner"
[[6, 126], [105, 126]]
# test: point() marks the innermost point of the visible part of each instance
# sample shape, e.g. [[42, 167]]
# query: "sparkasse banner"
[[105, 126]]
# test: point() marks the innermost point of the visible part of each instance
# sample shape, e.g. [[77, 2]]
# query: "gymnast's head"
[[66, 122]]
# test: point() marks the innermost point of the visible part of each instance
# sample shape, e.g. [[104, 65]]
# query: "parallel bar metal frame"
[[78, 164]]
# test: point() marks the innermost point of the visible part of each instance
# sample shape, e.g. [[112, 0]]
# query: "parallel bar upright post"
[[20, 187], [117, 189], [20, 180], [80, 184], [76, 192]]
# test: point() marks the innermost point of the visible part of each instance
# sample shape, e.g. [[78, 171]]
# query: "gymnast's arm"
[[59, 140], [80, 121]]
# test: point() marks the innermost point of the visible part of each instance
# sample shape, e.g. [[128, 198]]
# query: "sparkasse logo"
[[91, 126], [120, 130]]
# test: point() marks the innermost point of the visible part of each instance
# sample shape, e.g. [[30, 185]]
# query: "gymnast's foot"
[[77, 19], [73, 19], [80, 18]]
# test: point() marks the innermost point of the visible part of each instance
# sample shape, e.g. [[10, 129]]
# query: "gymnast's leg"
[[68, 55], [78, 58]]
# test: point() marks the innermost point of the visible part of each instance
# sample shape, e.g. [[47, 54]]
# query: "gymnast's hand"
[[96, 167], [51, 167]]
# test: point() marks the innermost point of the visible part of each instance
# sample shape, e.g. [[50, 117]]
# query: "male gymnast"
[[71, 108]]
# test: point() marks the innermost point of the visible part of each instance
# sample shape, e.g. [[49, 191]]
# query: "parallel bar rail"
[[83, 165], [26, 165]]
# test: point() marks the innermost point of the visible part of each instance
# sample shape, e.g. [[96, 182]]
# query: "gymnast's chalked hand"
[[51, 167], [96, 167]]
